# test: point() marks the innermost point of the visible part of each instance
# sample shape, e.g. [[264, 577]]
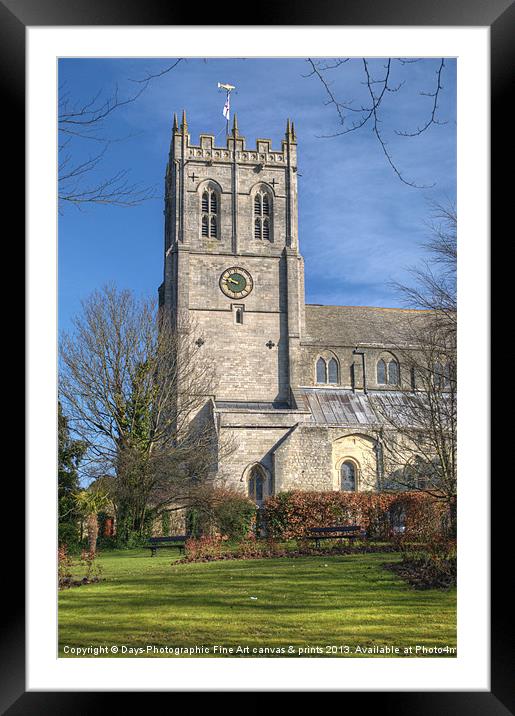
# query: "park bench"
[[350, 532], [155, 543]]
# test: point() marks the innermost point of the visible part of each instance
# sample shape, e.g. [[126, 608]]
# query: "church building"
[[295, 380]]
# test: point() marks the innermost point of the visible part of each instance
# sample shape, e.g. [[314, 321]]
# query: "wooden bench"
[[155, 543], [350, 532]]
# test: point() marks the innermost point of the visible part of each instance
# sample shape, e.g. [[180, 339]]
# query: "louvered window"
[[262, 212], [209, 221]]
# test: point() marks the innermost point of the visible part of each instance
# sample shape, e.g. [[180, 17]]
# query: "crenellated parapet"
[[234, 149]]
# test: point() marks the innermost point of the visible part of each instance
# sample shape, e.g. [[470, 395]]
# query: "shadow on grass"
[[308, 600]]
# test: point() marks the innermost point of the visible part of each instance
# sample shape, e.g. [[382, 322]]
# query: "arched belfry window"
[[210, 219], [262, 215]]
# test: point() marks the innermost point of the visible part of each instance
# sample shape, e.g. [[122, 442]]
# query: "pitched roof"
[[355, 325]]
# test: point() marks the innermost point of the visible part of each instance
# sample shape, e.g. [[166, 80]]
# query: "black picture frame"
[[499, 15]]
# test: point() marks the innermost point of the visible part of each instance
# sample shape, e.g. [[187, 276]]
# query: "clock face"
[[235, 282]]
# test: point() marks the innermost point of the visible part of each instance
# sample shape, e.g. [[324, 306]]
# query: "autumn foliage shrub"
[[289, 515], [206, 548]]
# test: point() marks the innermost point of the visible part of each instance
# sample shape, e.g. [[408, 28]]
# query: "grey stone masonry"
[[235, 207]]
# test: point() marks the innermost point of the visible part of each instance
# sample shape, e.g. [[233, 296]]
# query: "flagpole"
[[227, 105]]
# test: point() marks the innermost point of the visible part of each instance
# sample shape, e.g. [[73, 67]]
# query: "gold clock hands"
[[233, 280]]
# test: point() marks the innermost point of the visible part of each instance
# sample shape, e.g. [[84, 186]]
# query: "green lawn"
[[341, 602]]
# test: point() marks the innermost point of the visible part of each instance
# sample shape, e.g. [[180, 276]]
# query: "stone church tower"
[[294, 381], [232, 258]]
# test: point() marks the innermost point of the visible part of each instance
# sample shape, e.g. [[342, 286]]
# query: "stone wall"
[[350, 365], [304, 460], [251, 445]]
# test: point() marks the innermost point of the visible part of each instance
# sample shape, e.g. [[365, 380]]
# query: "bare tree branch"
[[378, 90], [88, 122]]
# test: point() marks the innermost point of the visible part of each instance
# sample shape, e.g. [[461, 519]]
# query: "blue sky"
[[360, 228]]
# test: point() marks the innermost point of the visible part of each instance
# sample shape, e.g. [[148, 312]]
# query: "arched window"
[[393, 373], [348, 476], [262, 212], [381, 372], [209, 206], [387, 373], [332, 371], [257, 484], [321, 371]]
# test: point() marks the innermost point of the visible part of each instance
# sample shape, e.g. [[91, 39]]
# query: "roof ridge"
[[376, 308]]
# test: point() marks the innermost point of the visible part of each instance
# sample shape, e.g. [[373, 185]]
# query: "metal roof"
[[338, 407], [249, 407], [345, 408]]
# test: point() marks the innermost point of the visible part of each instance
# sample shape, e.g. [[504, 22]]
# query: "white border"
[[470, 670]]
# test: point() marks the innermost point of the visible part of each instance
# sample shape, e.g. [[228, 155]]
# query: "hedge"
[[289, 515]]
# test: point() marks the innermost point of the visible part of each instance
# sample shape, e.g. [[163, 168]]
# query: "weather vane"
[[227, 106]]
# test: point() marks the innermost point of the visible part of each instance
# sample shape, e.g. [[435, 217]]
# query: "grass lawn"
[[341, 602]]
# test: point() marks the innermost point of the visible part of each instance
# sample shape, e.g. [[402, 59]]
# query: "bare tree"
[[381, 81], [138, 392], [418, 425], [84, 140]]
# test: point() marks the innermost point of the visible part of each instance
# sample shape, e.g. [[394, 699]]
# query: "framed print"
[[232, 261]]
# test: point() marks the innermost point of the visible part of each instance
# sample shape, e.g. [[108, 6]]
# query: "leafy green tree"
[[70, 453]]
